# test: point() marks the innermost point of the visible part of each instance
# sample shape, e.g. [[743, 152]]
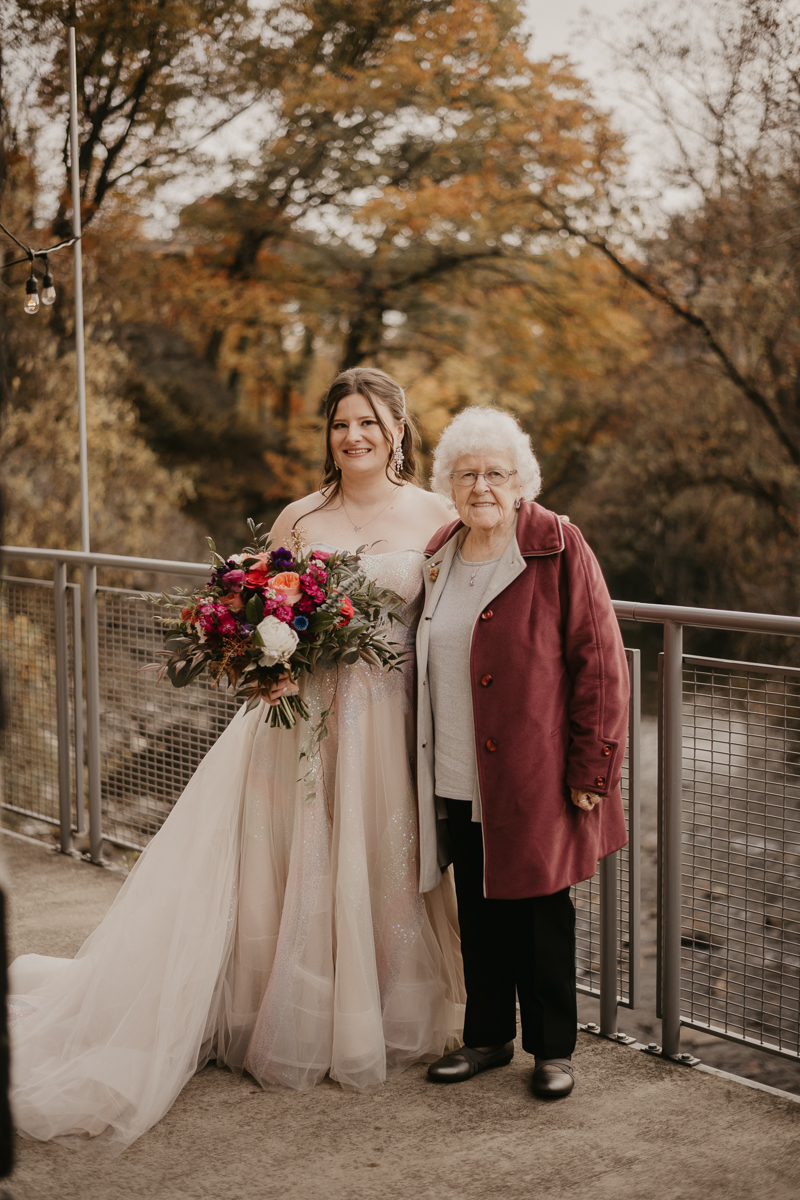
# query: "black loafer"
[[464, 1063], [552, 1080]]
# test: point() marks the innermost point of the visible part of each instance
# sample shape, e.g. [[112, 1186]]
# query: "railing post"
[[77, 676], [92, 710], [672, 835], [634, 831], [62, 705], [608, 945]]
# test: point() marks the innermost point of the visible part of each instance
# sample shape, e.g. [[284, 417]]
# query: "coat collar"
[[538, 531]]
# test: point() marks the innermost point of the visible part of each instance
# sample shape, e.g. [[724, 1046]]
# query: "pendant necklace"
[[358, 528], [474, 573]]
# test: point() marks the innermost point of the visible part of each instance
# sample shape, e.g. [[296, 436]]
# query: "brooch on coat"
[[434, 573]]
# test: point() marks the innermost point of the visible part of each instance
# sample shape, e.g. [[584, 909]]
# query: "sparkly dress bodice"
[[401, 571]]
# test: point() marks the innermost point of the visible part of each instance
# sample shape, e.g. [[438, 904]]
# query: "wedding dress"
[[274, 924]]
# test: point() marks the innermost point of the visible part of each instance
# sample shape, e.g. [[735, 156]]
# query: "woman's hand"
[[584, 800], [284, 686]]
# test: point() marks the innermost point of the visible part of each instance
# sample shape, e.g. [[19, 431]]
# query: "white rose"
[[279, 641]]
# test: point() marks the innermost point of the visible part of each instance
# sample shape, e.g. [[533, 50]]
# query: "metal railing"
[[729, 788]]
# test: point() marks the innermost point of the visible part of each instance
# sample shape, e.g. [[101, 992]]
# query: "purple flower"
[[282, 559], [245, 628], [300, 622]]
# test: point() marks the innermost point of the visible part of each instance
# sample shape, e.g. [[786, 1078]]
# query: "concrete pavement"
[[634, 1128]]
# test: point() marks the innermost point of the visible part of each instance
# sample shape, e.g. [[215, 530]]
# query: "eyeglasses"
[[494, 477]]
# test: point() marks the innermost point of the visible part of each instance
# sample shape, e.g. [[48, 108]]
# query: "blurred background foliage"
[[422, 195]]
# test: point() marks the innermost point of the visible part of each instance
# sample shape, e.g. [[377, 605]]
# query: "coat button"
[[607, 751], [600, 781], [486, 680], [491, 745], [487, 616]]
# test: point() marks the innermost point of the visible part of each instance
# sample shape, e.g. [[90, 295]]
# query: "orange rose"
[[347, 612], [287, 585]]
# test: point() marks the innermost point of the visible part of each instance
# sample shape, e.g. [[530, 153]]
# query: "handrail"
[[708, 618], [626, 610], [79, 559]]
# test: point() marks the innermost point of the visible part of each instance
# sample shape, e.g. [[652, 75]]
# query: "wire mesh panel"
[[586, 895], [741, 852], [152, 735], [29, 744]]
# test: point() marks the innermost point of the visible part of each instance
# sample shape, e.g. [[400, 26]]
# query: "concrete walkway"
[[635, 1128]]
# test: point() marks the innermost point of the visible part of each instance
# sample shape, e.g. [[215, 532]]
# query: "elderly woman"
[[523, 691]]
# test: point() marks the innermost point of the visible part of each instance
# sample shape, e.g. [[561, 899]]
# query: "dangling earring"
[[516, 506], [399, 458]]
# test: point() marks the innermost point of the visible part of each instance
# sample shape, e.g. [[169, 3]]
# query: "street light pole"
[[79, 335], [90, 612]]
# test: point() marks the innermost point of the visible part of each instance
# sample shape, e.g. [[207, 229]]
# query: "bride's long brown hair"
[[376, 387]]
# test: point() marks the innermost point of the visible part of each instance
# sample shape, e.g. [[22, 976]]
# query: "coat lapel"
[[510, 566], [438, 564]]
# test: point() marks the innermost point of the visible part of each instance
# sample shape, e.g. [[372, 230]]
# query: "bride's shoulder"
[[288, 519], [433, 506]]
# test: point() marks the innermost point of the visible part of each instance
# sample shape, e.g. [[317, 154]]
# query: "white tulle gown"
[[280, 934]]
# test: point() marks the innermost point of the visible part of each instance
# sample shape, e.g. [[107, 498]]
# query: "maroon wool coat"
[[550, 692]]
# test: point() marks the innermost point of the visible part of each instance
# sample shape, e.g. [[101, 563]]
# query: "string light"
[[31, 305], [48, 285], [31, 294]]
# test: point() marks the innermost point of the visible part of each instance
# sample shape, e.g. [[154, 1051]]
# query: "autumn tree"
[[722, 85], [155, 80], [388, 218]]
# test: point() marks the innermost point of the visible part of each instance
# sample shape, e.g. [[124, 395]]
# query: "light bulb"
[[31, 305], [48, 289]]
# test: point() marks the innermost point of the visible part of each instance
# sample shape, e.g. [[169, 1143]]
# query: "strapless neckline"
[[380, 554]]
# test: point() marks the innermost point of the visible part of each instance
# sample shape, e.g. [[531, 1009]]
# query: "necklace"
[[477, 566], [358, 528]]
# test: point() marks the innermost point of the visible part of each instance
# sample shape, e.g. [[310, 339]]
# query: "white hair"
[[480, 430]]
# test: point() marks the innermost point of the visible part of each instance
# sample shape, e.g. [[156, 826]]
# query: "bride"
[[276, 933]]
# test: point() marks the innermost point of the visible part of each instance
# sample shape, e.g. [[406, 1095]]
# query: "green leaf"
[[180, 674], [254, 610]]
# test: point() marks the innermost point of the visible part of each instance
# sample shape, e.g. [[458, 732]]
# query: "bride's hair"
[[376, 387]]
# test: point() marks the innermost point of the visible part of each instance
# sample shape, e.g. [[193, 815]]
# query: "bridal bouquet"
[[268, 612]]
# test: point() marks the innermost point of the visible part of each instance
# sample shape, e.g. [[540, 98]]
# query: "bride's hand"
[[285, 686]]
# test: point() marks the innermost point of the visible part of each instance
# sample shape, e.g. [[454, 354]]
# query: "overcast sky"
[[555, 22]]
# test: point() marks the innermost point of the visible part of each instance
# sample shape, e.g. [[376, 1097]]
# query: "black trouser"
[[511, 948]]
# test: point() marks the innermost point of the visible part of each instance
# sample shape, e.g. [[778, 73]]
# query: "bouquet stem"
[[284, 714]]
